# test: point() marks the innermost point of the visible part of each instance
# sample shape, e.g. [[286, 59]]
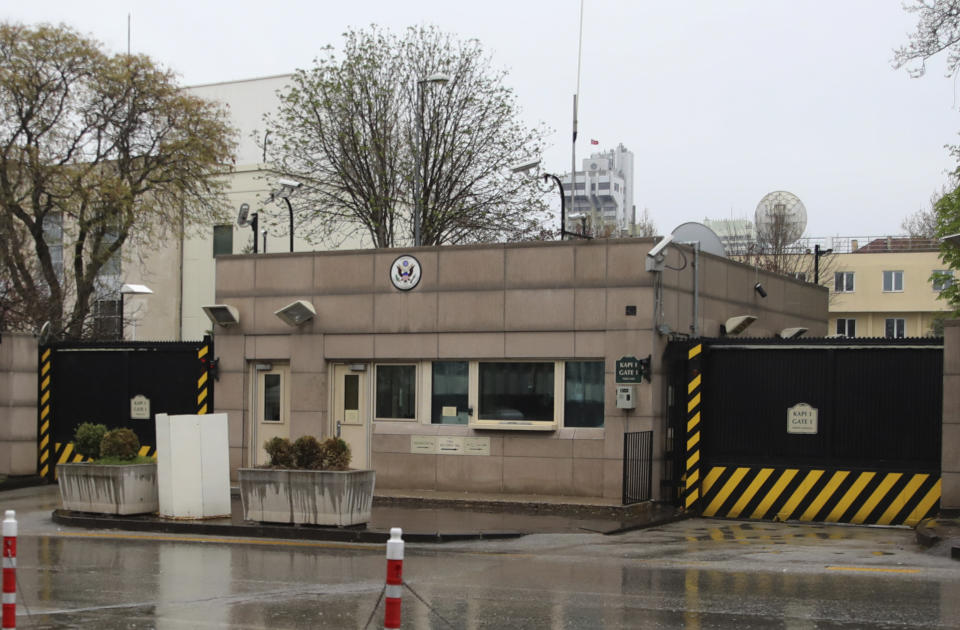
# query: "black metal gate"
[[637, 466], [870, 452], [97, 382]]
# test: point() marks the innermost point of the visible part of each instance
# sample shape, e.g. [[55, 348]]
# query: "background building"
[[603, 204]]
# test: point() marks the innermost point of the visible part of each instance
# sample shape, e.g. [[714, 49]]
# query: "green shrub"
[[87, 438], [336, 454], [280, 451], [120, 443], [307, 453]]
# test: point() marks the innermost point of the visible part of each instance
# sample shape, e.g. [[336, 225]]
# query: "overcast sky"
[[720, 101]]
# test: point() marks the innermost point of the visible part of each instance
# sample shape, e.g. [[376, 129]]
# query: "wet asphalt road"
[[691, 574]]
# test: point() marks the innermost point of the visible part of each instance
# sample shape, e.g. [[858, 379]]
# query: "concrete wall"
[[950, 464], [18, 404], [546, 300]]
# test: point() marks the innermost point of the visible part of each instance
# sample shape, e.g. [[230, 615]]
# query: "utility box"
[[626, 397], [193, 465]]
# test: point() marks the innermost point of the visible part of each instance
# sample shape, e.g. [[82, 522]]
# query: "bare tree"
[[375, 137], [938, 29], [97, 152]]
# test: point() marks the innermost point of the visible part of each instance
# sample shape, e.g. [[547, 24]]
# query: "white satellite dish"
[[697, 232], [780, 219]]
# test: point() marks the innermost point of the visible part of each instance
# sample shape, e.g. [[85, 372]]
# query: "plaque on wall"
[[476, 446], [424, 444], [449, 445]]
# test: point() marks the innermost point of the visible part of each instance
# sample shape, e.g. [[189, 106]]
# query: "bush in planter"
[[120, 444], [280, 451], [308, 454], [87, 438], [336, 454]]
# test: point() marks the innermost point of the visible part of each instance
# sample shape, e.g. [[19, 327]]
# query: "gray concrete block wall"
[[18, 404]]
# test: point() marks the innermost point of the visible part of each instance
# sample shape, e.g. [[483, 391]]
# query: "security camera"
[[526, 165], [657, 249], [289, 183], [760, 290]]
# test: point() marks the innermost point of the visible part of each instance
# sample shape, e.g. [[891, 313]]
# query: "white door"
[[271, 405], [350, 412]]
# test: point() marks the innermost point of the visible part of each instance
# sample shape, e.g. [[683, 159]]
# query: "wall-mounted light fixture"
[[953, 239], [737, 324], [792, 333], [760, 290], [222, 314], [296, 313]]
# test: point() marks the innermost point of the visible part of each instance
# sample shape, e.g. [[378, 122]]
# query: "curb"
[[926, 532], [258, 530]]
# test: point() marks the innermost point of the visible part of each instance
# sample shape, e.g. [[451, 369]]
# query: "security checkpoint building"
[[500, 368]]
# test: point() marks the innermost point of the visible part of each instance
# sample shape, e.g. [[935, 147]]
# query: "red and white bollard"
[[10, 570], [391, 614]]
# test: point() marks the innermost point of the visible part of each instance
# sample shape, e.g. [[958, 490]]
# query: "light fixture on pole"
[[131, 289], [287, 186], [418, 202], [529, 165], [953, 239]]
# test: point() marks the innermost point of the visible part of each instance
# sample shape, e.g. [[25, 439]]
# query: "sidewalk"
[[424, 517], [940, 531]]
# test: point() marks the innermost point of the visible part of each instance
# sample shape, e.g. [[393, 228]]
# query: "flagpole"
[[573, 144]]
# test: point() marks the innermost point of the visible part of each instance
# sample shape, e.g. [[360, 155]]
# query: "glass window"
[[516, 391], [843, 282], [583, 394], [892, 281], [942, 279], [222, 240], [111, 266], [895, 327], [396, 391], [271, 398], [53, 237], [450, 381], [847, 327], [106, 319]]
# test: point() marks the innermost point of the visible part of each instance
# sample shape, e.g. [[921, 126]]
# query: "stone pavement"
[[424, 516]]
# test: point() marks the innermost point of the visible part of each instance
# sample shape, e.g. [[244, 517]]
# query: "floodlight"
[[296, 313], [222, 314]]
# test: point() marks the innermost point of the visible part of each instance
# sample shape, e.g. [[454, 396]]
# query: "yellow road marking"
[[873, 569]]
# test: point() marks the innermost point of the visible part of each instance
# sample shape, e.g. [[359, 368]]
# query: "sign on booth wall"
[[802, 418]]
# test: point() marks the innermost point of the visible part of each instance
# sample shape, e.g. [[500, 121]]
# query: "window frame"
[[507, 423], [223, 228], [945, 281], [894, 275], [416, 390], [902, 325], [847, 321], [846, 275]]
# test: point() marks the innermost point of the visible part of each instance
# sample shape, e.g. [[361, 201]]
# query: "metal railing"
[[637, 466]]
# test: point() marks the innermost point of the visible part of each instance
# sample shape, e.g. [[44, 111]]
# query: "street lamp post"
[[817, 253], [418, 202]]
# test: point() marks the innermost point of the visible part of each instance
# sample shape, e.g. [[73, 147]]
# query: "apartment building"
[[887, 287]]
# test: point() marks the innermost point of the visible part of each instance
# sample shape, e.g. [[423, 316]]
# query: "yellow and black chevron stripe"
[[65, 454], [44, 416], [203, 381], [820, 495], [691, 472]]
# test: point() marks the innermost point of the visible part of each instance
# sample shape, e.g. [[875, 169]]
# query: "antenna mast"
[[573, 148]]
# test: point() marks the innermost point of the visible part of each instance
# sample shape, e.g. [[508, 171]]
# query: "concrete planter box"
[[109, 489], [307, 497]]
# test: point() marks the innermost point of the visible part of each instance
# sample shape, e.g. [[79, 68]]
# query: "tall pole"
[[290, 208], [418, 200]]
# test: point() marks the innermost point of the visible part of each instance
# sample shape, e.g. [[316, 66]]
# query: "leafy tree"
[[372, 139], [98, 152], [947, 211]]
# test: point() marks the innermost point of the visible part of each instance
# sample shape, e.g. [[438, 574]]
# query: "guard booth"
[[824, 430], [119, 384]]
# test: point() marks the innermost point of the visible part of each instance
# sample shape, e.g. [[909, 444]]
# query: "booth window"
[[583, 394], [449, 386], [396, 391], [516, 391], [271, 397]]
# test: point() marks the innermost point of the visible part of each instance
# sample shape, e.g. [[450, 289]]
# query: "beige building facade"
[[884, 289], [478, 368]]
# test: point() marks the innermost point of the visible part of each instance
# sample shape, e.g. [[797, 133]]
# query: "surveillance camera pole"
[[290, 208], [817, 253], [563, 208], [254, 222]]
